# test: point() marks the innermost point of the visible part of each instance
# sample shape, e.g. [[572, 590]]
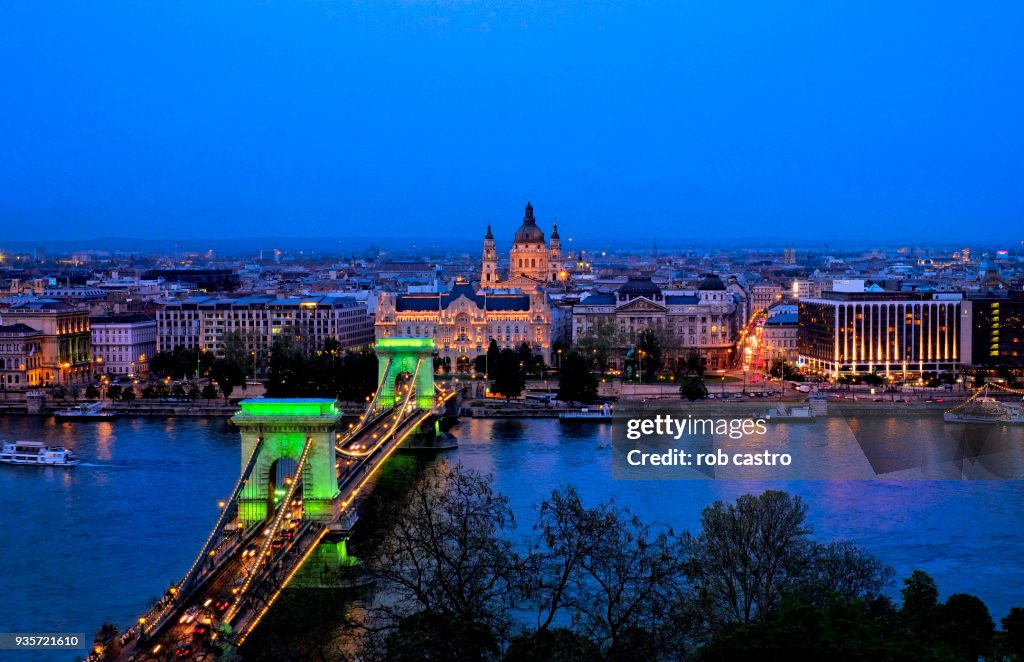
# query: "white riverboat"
[[36, 453], [985, 410], [89, 411]]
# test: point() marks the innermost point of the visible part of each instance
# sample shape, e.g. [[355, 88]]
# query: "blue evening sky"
[[683, 119]]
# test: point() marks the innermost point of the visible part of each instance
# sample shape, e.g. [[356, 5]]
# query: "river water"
[[96, 542]]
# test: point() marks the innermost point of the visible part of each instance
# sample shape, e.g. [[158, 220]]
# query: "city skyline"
[[417, 119]]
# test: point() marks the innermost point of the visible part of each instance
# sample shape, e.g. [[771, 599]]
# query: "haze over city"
[[685, 121]]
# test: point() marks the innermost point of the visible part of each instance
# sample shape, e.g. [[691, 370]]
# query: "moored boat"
[[602, 413], [791, 414], [985, 410], [88, 411]]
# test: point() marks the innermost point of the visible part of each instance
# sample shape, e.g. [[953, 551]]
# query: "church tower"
[[557, 265], [489, 272]]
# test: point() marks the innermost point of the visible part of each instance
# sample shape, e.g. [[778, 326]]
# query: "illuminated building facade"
[[532, 261], [992, 333], [781, 337], [892, 333], [462, 322], [307, 321], [123, 344], [704, 321], [65, 342], [21, 355]]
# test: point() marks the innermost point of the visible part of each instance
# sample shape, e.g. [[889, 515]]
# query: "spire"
[[554, 232], [488, 235], [528, 218]]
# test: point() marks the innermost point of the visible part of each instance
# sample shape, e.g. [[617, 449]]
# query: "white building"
[[123, 344]]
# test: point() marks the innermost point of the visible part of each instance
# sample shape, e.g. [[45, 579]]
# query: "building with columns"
[[896, 334], [64, 345], [704, 321], [532, 261], [463, 321]]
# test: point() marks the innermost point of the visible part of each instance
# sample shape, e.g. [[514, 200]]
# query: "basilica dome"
[[528, 232]]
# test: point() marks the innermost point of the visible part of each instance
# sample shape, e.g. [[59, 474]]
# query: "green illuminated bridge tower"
[[284, 427], [401, 356]]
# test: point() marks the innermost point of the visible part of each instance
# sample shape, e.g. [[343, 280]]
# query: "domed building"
[[532, 261]]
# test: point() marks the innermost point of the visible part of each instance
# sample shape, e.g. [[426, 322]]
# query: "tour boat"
[[89, 411], [37, 453], [985, 410]]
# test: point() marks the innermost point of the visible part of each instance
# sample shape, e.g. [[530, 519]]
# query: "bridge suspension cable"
[[275, 525], [367, 416], [224, 515], [181, 590], [391, 427]]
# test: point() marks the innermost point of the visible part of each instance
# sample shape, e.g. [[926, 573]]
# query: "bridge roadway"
[[180, 622]]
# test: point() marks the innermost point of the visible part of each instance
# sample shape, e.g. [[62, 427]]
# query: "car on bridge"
[[190, 614]]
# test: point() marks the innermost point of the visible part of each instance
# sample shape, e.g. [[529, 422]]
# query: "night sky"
[[683, 119]]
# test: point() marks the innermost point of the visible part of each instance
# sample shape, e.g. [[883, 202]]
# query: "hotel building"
[[992, 333], [123, 344], [309, 321], [891, 333], [463, 322]]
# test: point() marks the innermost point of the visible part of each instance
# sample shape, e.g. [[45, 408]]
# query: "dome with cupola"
[[528, 232]]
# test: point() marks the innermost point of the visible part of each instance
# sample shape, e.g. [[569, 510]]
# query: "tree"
[[874, 379], [560, 644], [615, 575], [575, 381], [509, 380], [236, 351], [446, 553], [149, 392], [920, 601], [1013, 626], [693, 365], [966, 626], [601, 343], [845, 570], [797, 630], [114, 392], [91, 392], [648, 347], [428, 635], [693, 388], [493, 352], [525, 355], [209, 392], [128, 395], [227, 374], [748, 554]]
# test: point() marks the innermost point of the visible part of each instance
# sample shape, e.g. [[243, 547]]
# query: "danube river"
[[98, 541]]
